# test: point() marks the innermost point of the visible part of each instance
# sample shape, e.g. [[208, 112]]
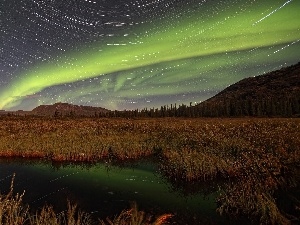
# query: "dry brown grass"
[[257, 156], [135, 217]]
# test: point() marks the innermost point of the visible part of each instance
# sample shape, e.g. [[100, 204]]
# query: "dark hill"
[[66, 109], [273, 94]]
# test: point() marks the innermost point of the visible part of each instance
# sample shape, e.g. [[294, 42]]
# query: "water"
[[106, 190]]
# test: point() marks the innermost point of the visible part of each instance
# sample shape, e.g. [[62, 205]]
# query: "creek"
[[105, 190]]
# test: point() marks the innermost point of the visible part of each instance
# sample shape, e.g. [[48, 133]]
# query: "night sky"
[[125, 54]]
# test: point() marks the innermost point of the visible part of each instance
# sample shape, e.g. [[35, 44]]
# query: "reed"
[[14, 212], [135, 217]]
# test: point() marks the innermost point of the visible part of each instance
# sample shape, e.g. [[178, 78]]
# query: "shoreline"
[[261, 154]]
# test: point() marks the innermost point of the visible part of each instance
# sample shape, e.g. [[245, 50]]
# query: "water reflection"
[[105, 190]]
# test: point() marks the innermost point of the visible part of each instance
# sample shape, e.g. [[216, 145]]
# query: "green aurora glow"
[[211, 52]]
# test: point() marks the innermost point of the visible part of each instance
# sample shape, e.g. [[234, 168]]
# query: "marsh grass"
[[256, 156], [14, 212], [135, 217]]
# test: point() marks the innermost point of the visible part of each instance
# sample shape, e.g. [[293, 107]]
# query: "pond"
[[105, 190]]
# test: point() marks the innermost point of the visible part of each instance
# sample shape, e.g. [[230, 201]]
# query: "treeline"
[[275, 94], [163, 111], [285, 106], [271, 107]]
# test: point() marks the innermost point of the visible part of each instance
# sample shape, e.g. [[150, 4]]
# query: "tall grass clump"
[[14, 212], [135, 217]]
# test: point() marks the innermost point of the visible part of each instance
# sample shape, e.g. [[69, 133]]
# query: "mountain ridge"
[[66, 109], [276, 93]]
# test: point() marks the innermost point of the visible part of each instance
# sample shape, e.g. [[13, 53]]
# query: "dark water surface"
[[106, 190]]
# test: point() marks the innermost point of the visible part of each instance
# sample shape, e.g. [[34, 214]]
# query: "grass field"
[[258, 158]]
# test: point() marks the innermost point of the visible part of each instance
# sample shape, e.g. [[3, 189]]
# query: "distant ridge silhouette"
[[276, 93], [66, 109]]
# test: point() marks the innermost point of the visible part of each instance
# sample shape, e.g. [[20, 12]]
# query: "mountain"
[[276, 93], [66, 109]]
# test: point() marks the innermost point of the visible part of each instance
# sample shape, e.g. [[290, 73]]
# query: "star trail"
[[127, 54]]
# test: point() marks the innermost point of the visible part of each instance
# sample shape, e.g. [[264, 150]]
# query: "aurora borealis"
[[127, 54]]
